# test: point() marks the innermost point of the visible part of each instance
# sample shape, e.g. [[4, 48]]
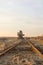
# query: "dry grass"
[[38, 41]]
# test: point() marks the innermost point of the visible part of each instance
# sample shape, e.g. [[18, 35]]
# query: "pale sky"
[[26, 15]]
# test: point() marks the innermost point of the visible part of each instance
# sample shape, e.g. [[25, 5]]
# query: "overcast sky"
[[26, 15]]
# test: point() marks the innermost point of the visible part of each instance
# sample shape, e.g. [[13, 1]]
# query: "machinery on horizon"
[[20, 34]]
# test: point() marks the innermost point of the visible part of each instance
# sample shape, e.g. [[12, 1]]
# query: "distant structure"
[[20, 34]]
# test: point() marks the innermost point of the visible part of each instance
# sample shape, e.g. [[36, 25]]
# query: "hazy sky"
[[26, 15]]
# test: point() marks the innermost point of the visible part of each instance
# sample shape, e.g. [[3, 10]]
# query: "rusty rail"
[[10, 47], [36, 50]]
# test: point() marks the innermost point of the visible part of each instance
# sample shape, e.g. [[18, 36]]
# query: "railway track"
[[37, 45], [19, 41], [10, 51], [10, 47], [35, 49]]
